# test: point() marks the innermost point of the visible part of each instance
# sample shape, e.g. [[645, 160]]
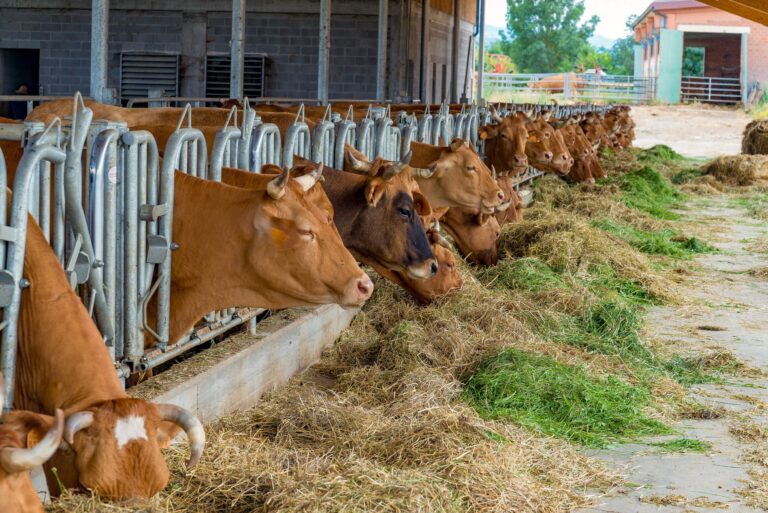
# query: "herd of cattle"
[[280, 238]]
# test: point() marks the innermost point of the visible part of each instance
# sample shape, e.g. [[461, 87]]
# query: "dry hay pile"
[[738, 169], [755, 138], [379, 425]]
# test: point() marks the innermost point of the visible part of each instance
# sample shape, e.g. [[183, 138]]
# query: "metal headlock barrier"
[[114, 236]]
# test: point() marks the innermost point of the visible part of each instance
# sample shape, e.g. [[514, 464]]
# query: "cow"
[[26, 442], [455, 176], [587, 166], [514, 213], [269, 248], [475, 234], [556, 83], [111, 441], [505, 141], [594, 130], [546, 149]]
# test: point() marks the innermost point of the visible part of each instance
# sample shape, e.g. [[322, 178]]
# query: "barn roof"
[[755, 10]]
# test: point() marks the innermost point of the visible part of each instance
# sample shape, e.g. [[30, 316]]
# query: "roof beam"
[[755, 10]]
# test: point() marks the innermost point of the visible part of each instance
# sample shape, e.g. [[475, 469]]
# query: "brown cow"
[[474, 233], [587, 167], [505, 143], [556, 83], [19, 454], [455, 176], [269, 248], [112, 441], [514, 213], [546, 149]]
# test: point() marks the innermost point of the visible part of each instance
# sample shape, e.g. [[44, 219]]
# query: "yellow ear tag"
[[277, 235]]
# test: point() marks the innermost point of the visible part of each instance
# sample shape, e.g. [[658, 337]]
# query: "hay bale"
[[755, 139], [738, 169]]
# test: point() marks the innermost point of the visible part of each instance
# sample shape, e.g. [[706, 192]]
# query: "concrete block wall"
[[286, 31]]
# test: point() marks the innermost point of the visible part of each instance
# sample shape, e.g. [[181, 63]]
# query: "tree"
[[623, 52], [546, 35]]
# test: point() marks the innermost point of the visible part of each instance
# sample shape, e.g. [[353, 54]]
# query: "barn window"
[[217, 68], [142, 73]]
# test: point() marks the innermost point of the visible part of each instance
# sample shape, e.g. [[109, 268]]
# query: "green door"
[[670, 66]]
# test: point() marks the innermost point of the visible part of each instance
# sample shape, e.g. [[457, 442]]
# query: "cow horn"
[[398, 167], [14, 460], [309, 180], [437, 236], [276, 186], [495, 115], [191, 426], [359, 165], [493, 171], [76, 422], [424, 173]]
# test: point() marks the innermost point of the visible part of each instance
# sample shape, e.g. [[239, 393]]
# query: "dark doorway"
[[17, 67]]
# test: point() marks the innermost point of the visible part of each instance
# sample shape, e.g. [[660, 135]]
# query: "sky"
[[613, 14]]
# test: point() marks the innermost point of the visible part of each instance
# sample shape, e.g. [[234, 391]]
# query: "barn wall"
[[285, 30]]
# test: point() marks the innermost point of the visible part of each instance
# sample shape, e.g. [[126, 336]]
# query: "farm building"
[[183, 48], [713, 53]]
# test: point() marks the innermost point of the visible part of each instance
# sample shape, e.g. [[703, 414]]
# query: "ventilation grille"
[[217, 68], [140, 72]]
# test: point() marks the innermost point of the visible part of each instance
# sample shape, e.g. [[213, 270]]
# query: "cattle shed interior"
[[182, 48]]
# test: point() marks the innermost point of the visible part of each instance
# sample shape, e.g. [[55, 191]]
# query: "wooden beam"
[[755, 10]]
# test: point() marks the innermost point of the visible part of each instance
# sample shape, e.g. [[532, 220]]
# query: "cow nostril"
[[548, 156], [501, 195], [433, 268], [564, 157], [571, 162], [364, 287]]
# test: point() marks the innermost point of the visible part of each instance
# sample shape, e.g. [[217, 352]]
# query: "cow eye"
[[306, 234], [470, 169], [404, 212], [546, 135]]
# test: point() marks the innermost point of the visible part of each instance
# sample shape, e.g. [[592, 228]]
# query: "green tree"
[[547, 35], [623, 52]]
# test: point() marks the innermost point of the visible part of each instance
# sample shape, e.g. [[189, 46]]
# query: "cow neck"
[[347, 194], [213, 225], [62, 359]]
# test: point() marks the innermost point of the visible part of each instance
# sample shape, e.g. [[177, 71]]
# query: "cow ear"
[[270, 169], [456, 145], [487, 132], [421, 204], [374, 190], [532, 137]]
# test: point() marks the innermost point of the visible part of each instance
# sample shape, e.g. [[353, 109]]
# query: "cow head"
[[545, 148], [580, 148], [593, 128], [386, 230], [455, 176], [27, 440], [505, 141], [113, 447], [514, 213], [447, 279], [474, 233]]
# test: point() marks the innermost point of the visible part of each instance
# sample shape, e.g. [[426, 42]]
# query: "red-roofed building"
[[732, 52]]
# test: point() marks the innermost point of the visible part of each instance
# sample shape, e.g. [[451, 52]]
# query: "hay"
[[755, 138], [387, 430], [738, 169], [571, 244]]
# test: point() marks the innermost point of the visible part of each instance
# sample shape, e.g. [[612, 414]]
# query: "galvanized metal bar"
[[38, 150], [381, 53], [481, 51], [99, 48], [237, 69], [324, 51], [266, 146], [455, 51], [424, 60]]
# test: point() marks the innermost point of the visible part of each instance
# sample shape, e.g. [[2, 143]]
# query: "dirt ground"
[[727, 308], [693, 131]]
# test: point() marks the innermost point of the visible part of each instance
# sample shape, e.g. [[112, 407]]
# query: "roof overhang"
[[755, 10]]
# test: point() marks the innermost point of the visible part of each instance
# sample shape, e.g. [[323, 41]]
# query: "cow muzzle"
[[357, 291]]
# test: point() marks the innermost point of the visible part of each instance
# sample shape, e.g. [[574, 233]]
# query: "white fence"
[[568, 86], [710, 89]]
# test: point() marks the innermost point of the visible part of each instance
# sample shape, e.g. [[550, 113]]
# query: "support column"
[[381, 61], [481, 53], [424, 61], [456, 53], [99, 39], [324, 57], [236, 70], [744, 68]]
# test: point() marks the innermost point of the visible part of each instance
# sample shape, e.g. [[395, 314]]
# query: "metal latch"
[[7, 285], [153, 212], [157, 249], [79, 265]]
